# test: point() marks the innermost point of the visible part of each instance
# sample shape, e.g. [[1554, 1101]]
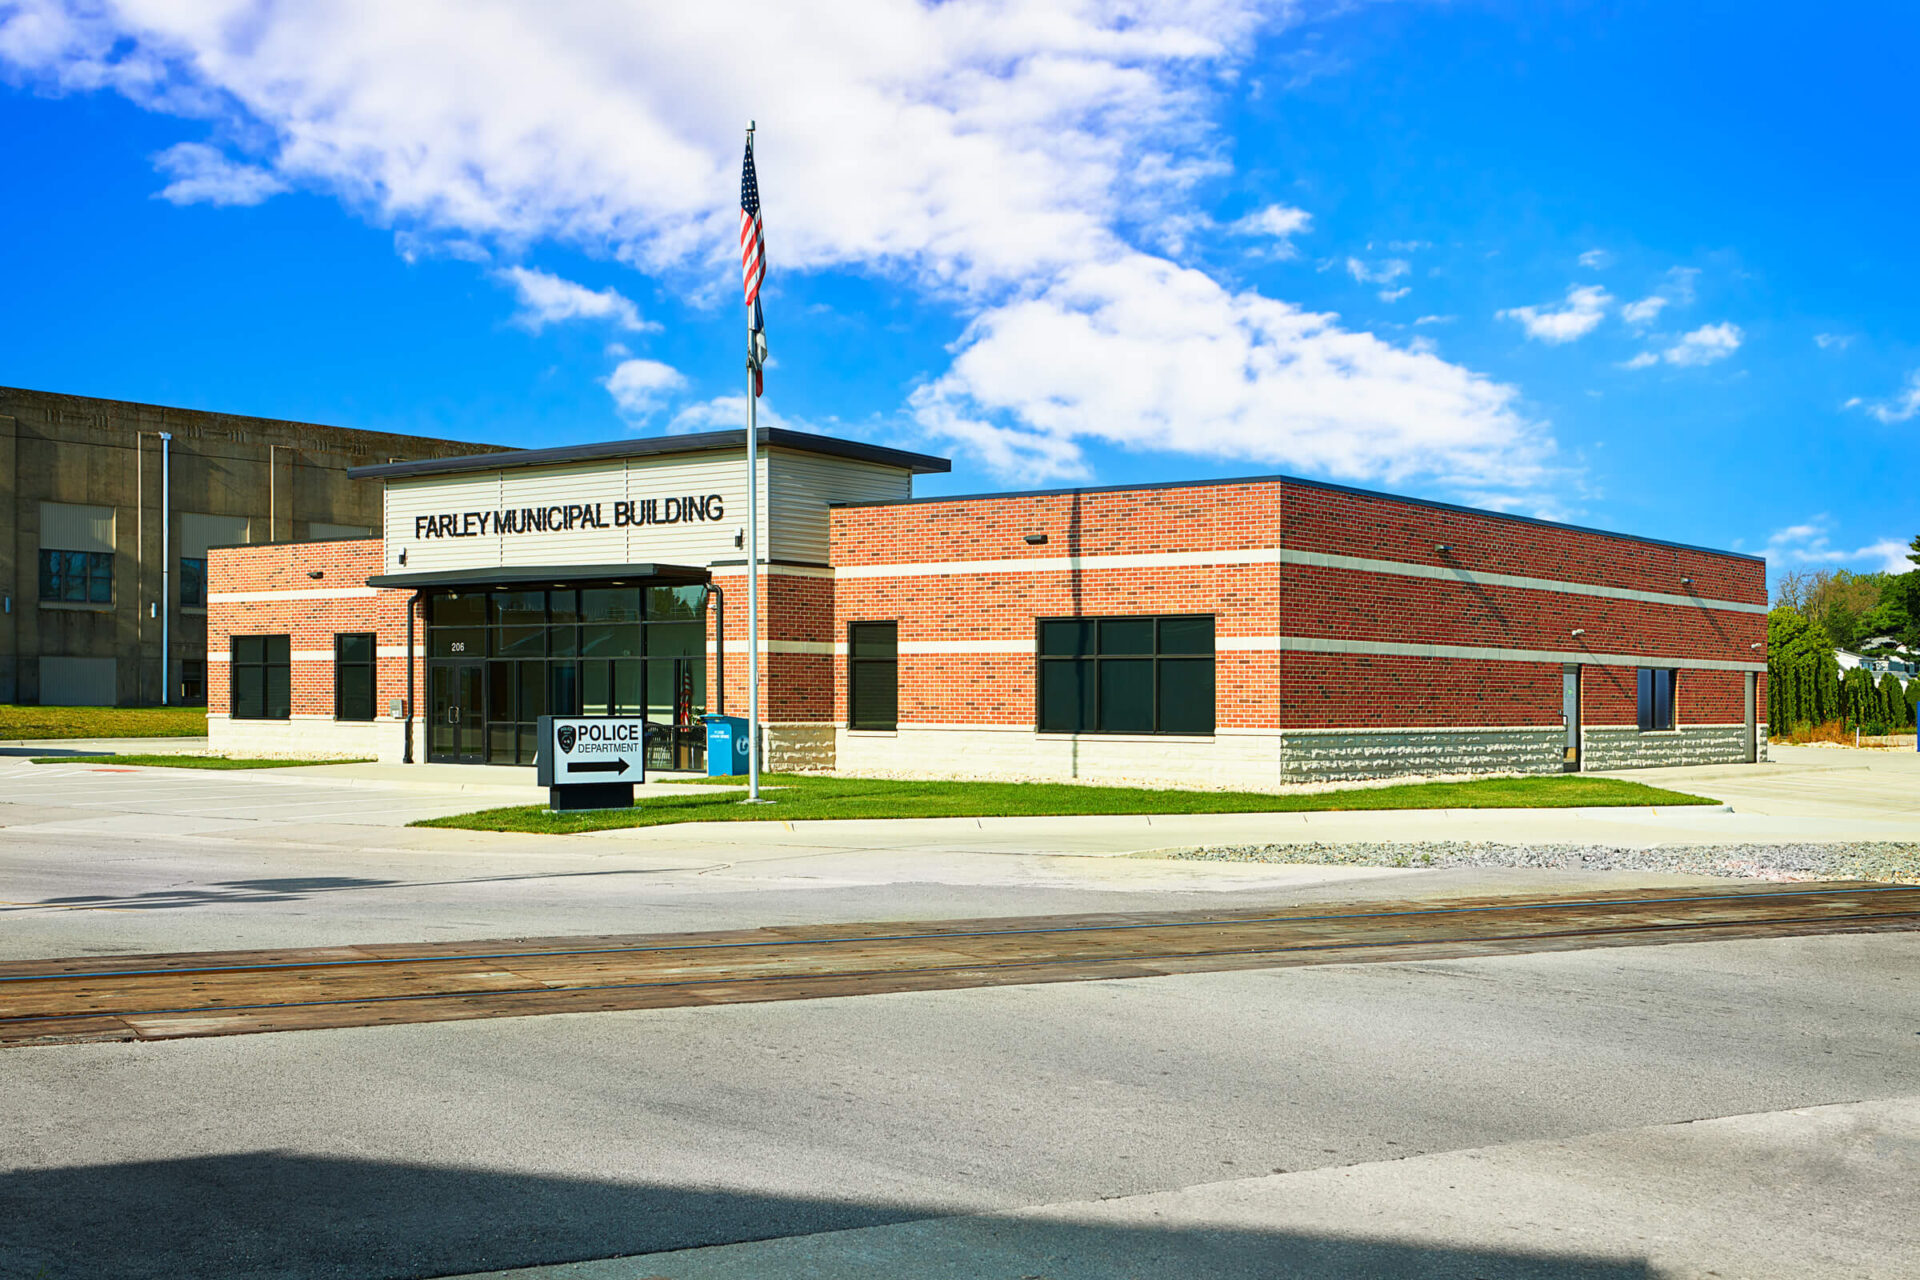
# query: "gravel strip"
[[1888, 861]]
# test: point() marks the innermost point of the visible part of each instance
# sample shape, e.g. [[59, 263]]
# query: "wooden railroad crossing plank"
[[227, 993]]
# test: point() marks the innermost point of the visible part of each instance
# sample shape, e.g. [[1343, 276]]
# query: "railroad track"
[[231, 993]]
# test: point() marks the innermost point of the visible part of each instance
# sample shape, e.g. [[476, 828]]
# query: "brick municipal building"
[[1251, 631]]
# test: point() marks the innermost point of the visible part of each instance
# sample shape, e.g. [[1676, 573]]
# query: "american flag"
[[753, 263]]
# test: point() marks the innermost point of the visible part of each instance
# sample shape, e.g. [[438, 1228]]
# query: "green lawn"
[[17, 723], [793, 797], [197, 762]]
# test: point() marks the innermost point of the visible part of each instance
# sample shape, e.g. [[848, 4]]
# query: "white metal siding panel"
[[68, 526], [198, 532], [79, 682], [793, 510], [601, 484], [431, 495], [803, 485], [697, 542]]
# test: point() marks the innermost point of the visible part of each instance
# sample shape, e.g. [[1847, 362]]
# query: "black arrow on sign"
[[603, 766]]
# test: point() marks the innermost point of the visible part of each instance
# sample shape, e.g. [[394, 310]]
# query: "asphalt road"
[[466, 1147], [1515, 1116]]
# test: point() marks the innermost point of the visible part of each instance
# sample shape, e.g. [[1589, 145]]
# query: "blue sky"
[[1641, 266]]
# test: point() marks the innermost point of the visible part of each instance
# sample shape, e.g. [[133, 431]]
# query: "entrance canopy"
[[545, 575]]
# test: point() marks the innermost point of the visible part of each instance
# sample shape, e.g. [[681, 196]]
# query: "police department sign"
[[591, 750]]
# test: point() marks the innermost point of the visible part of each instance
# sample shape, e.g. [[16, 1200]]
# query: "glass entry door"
[[457, 707]]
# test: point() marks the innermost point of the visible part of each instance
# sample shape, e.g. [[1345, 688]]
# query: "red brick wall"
[[1001, 605], [1259, 687], [794, 609], [1387, 528], [310, 624]]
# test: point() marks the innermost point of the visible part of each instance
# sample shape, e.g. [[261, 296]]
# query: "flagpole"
[[753, 579], [753, 551]]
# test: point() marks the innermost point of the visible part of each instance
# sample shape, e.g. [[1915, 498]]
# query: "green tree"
[[1803, 680], [1861, 698], [1893, 701]]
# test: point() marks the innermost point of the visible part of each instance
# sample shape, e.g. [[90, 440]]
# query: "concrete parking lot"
[[98, 859], [1741, 1108]]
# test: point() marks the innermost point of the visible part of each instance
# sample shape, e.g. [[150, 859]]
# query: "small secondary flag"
[[753, 264]]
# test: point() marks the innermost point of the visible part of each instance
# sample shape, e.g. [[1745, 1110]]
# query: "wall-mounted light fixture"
[[403, 557], [1578, 631], [9, 604], [316, 573], [1036, 539], [1754, 645], [740, 536], [1686, 582], [1444, 548], [153, 610]]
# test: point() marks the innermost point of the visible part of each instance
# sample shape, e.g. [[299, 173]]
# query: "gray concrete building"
[[110, 508]]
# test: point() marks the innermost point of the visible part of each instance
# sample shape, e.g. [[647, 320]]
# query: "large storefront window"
[[1126, 675], [499, 660]]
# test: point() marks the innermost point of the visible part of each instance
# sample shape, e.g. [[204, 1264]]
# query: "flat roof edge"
[[515, 575], [1223, 481], [651, 446]]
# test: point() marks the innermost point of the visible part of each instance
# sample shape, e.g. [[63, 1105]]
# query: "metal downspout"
[[406, 750], [166, 568], [719, 649]]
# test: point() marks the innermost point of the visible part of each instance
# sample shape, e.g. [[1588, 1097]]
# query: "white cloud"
[[413, 246], [1394, 295], [1280, 221], [1436, 319], [204, 175], [1708, 343], [640, 388], [1596, 259], [729, 413], [1901, 408], [1832, 341], [548, 299], [1643, 313], [1812, 543], [1000, 158], [969, 142], [1679, 285], [1386, 271], [1148, 355], [1585, 307]]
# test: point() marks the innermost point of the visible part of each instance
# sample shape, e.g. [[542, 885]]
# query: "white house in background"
[[1901, 666]]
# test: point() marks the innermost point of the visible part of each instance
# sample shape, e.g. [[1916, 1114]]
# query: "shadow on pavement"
[[53, 751], [288, 1216], [296, 888]]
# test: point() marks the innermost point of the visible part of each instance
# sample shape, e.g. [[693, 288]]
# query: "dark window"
[[873, 675], [193, 681], [83, 577], [262, 678], [1656, 698], [1125, 675], [193, 581], [353, 675]]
